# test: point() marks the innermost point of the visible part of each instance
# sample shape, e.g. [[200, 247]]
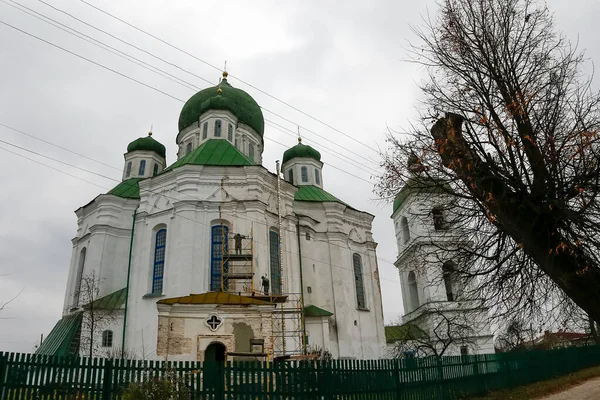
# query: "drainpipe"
[[303, 325], [127, 287]]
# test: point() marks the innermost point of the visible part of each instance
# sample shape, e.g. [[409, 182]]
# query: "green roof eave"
[[403, 332], [217, 152], [312, 193], [110, 302], [314, 311], [423, 185], [128, 189], [63, 340]]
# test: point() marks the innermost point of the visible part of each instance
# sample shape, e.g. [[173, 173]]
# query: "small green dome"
[[223, 97], [147, 144], [301, 151]]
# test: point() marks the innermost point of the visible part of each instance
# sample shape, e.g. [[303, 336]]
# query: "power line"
[[154, 88], [163, 194], [217, 68], [192, 73], [89, 60]]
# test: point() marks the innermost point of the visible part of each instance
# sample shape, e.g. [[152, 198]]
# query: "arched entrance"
[[215, 352]]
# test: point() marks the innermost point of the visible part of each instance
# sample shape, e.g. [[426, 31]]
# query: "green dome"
[[301, 151], [238, 102], [147, 144]]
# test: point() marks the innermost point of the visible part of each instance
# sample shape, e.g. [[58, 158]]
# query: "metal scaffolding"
[[237, 272]]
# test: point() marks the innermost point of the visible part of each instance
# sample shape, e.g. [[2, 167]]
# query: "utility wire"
[[156, 89], [172, 198], [217, 68], [154, 69], [156, 193]]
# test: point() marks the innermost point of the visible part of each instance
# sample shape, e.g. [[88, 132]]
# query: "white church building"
[[439, 316], [215, 257]]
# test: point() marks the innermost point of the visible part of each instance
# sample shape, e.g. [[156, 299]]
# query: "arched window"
[[275, 261], [413, 291], [79, 277], [142, 168], [159, 261], [405, 230], [291, 176], [205, 130], [358, 281], [107, 338], [188, 148], [218, 128], [304, 173], [451, 281], [439, 223], [251, 151], [230, 133], [155, 172], [128, 172], [219, 243], [317, 177]]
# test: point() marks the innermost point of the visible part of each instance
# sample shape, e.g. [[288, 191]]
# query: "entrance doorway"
[[215, 352]]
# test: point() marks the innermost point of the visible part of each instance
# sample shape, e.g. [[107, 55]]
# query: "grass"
[[544, 388]]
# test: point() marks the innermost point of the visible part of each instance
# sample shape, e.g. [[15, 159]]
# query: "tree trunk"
[[526, 218]]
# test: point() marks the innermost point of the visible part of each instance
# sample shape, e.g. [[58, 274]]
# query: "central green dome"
[[301, 151], [223, 97]]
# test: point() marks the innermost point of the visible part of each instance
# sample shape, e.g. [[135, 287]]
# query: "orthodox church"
[[214, 257]]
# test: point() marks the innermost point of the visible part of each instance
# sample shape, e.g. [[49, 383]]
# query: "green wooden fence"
[[28, 376]]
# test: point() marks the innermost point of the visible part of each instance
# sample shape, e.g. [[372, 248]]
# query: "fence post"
[[3, 365], [397, 379], [108, 378]]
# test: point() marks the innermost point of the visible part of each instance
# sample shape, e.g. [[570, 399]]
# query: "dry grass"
[[544, 388]]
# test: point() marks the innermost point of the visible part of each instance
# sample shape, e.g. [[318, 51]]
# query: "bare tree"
[[517, 152], [96, 317], [438, 329], [515, 335]]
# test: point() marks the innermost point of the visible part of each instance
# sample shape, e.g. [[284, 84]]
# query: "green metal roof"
[[316, 194], [403, 332], [314, 311], [63, 340], [128, 189], [148, 144], [113, 301], [301, 151], [420, 185], [238, 102], [213, 152]]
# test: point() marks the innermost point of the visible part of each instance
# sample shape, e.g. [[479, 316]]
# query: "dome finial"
[[299, 135], [150, 132], [225, 74]]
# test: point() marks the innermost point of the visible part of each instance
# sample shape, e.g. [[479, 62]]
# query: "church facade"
[[215, 257]]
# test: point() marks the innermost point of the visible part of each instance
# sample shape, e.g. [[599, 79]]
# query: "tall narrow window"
[[159, 261], [188, 148], [358, 281], [128, 172], [405, 230], [205, 130], [142, 168], [107, 339], [219, 243], [451, 281], [218, 128], [79, 277], [230, 133], [275, 261], [251, 151], [304, 173], [155, 172], [317, 177], [439, 223], [291, 176], [413, 291]]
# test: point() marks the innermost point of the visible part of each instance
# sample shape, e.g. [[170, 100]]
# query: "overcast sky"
[[340, 62]]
